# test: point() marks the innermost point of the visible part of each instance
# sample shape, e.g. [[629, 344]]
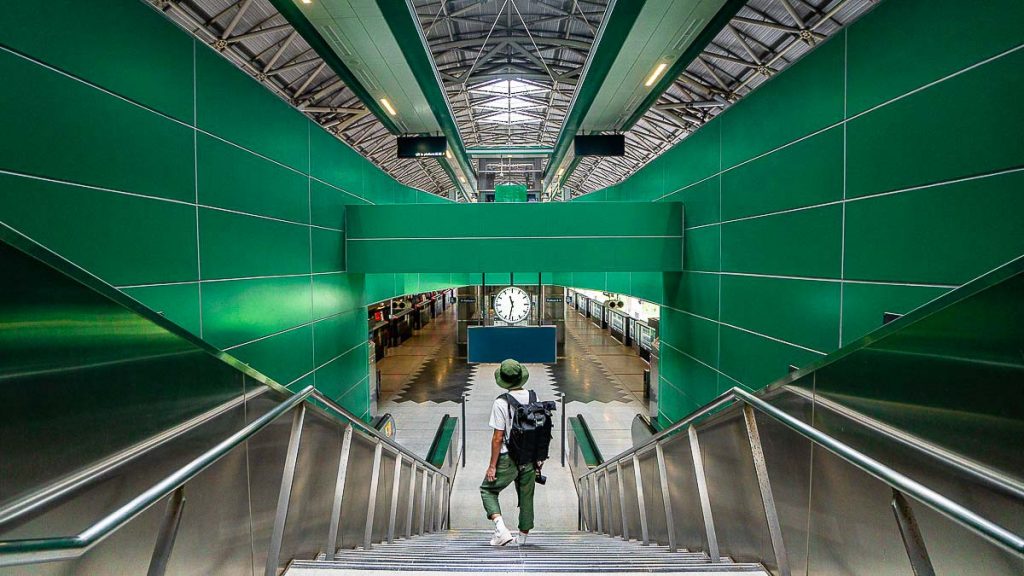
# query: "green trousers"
[[525, 479]]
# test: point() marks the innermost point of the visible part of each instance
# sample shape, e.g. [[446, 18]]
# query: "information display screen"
[[617, 323]]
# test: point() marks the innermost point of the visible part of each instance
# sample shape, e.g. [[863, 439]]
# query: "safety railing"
[[628, 475], [427, 493]]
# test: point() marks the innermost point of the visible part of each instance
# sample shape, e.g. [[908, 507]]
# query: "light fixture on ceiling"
[[387, 106], [307, 1], [447, 153], [561, 171], [658, 71], [462, 179]]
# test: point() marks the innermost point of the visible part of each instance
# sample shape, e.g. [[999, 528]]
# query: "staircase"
[[467, 552]]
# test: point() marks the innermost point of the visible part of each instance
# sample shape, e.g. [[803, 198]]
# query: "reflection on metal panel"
[[309, 509], [357, 490], [653, 499], [682, 488], [732, 484]]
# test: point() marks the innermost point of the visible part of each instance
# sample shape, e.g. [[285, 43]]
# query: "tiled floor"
[[423, 379]]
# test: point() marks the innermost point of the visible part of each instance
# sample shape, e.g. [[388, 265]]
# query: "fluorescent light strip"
[[656, 74], [387, 105]]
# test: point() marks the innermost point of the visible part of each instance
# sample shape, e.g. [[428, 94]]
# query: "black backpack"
[[530, 433]]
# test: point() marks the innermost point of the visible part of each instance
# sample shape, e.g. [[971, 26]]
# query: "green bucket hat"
[[511, 374]]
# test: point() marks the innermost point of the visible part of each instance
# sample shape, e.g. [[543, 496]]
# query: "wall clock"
[[512, 305]]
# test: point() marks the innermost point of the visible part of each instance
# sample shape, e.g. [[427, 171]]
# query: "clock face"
[[512, 305]]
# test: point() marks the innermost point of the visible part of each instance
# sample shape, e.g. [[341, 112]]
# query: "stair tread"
[[468, 553]]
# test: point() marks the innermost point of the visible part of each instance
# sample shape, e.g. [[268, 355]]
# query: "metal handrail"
[[941, 504], [339, 411], [33, 550]]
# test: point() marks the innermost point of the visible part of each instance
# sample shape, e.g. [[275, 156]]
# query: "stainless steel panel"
[[656, 525], [403, 498], [732, 484], [385, 482], [632, 508], [309, 509], [682, 488], [851, 525], [126, 551], [612, 502], [357, 488], [788, 458], [956, 550], [214, 535], [266, 451]]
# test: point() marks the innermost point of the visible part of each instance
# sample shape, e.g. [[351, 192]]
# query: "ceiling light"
[[448, 154], [307, 1], [560, 171], [387, 105], [656, 74], [462, 179]]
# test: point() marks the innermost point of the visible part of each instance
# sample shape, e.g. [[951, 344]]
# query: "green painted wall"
[[149, 160], [533, 236], [882, 170]]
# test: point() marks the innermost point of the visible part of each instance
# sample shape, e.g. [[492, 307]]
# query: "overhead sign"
[[422, 146], [600, 145]]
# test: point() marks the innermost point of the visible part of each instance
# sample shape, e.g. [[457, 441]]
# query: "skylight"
[[508, 99]]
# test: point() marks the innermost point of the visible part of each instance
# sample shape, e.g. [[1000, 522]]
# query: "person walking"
[[519, 446]]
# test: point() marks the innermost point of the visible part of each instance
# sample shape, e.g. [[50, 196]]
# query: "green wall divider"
[[636, 236], [145, 157], [850, 185]]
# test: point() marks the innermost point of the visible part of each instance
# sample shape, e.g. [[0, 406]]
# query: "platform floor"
[[423, 379]]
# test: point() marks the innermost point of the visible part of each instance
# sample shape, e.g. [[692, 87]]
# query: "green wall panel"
[[328, 249], [755, 360], [648, 286], [695, 158], [238, 311], [140, 57], [804, 243], [59, 128], [341, 374], [334, 162], [807, 173], [125, 240], [179, 303], [515, 220], [235, 107], [693, 292], [106, 96], [908, 199], [864, 305], [803, 312], [927, 138], [238, 246], [695, 336], [903, 45], [702, 249], [334, 293], [233, 178], [702, 201], [471, 254], [284, 357], [807, 97], [327, 205], [338, 334], [943, 235]]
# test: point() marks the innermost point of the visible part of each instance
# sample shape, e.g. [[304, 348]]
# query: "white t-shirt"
[[499, 413]]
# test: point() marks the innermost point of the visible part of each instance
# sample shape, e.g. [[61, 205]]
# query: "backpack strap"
[[533, 397]]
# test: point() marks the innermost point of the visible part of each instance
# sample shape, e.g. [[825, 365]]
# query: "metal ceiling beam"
[[615, 27], [404, 25], [298, 20]]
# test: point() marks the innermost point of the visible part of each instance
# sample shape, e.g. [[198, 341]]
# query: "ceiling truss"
[[762, 39], [254, 36]]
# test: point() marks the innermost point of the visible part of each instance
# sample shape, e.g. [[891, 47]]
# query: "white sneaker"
[[521, 539], [501, 536]]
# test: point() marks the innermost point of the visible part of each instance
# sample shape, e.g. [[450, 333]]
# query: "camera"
[[542, 479]]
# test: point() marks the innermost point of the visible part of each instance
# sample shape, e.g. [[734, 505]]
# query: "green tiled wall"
[[149, 160], [852, 184]]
